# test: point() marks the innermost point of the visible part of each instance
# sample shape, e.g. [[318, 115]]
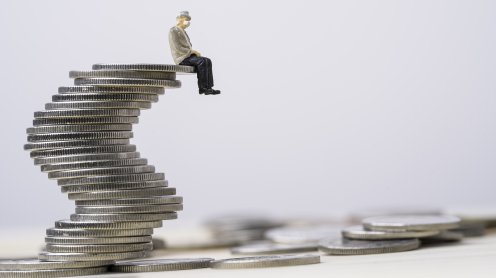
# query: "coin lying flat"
[[50, 273], [127, 82], [123, 74], [98, 104], [145, 67], [110, 89], [307, 234], [84, 150], [91, 225], [99, 240], [123, 194], [357, 232], [83, 232], [87, 113], [130, 209], [160, 265], [99, 248], [94, 164], [79, 136], [75, 144], [365, 247], [444, 236], [265, 261], [35, 264], [162, 200], [105, 97], [57, 257], [87, 157], [88, 120], [45, 133], [113, 186], [114, 179], [271, 248], [411, 222], [124, 217], [102, 172]]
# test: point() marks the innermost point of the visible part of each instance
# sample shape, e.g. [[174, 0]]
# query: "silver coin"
[[132, 202], [74, 144], [82, 158], [130, 209], [124, 217], [73, 232], [271, 248], [98, 105], [444, 236], [113, 187], [145, 67], [110, 89], [93, 131], [90, 120], [305, 234], [114, 179], [99, 248], [123, 74], [127, 82], [234, 222], [48, 138], [98, 240], [91, 225], [94, 164], [411, 222], [57, 257], [105, 97], [87, 113], [102, 172], [51, 273], [365, 247], [357, 232], [123, 194], [265, 261], [35, 264], [472, 229], [358, 216], [84, 150], [160, 265]]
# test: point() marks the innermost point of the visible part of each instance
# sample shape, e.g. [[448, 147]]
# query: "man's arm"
[[179, 41]]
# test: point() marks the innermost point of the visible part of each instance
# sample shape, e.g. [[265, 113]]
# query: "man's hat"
[[185, 14]]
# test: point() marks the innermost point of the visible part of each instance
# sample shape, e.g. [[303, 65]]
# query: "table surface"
[[473, 257]]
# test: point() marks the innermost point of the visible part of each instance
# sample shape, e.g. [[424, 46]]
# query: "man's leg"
[[200, 65], [210, 73]]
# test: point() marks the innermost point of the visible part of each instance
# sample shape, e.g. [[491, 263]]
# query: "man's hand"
[[196, 53]]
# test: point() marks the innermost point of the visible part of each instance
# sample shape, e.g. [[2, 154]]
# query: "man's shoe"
[[211, 92]]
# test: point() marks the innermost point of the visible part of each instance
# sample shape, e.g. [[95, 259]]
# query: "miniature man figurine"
[[183, 54]]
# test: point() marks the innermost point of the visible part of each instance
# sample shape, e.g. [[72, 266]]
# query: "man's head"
[[183, 19]]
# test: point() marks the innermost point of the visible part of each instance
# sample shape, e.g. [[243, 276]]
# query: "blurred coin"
[[57, 257], [265, 261], [81, 232], [35, 264], [99, 248], [306, 234], [357, 232], [124, 217], [160, 265], [50, 273], [365, 247], [266, 248], [99, 240], [444, 236], [357, 216], [411, 222]]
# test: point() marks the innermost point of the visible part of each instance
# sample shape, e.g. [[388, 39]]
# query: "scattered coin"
[[365, 247], [160, 265], [35, 264], [411, 222], [271, 248], [357, 232], [305, 234], [50, 273], [265, 261]]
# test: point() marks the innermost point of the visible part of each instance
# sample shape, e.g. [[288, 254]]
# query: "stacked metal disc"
[[82, 140]]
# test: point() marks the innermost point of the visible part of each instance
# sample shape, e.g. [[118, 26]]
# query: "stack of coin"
[[395, 233], [82, 140]]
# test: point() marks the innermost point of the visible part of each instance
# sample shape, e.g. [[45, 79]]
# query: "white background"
[[326, 106]]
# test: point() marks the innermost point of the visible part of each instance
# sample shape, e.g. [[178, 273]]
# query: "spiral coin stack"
[[81, 140]]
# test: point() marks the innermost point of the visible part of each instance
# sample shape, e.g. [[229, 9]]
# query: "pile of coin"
[[82, 140]]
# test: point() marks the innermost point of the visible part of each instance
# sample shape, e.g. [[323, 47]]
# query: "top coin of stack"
[[82, 140]]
